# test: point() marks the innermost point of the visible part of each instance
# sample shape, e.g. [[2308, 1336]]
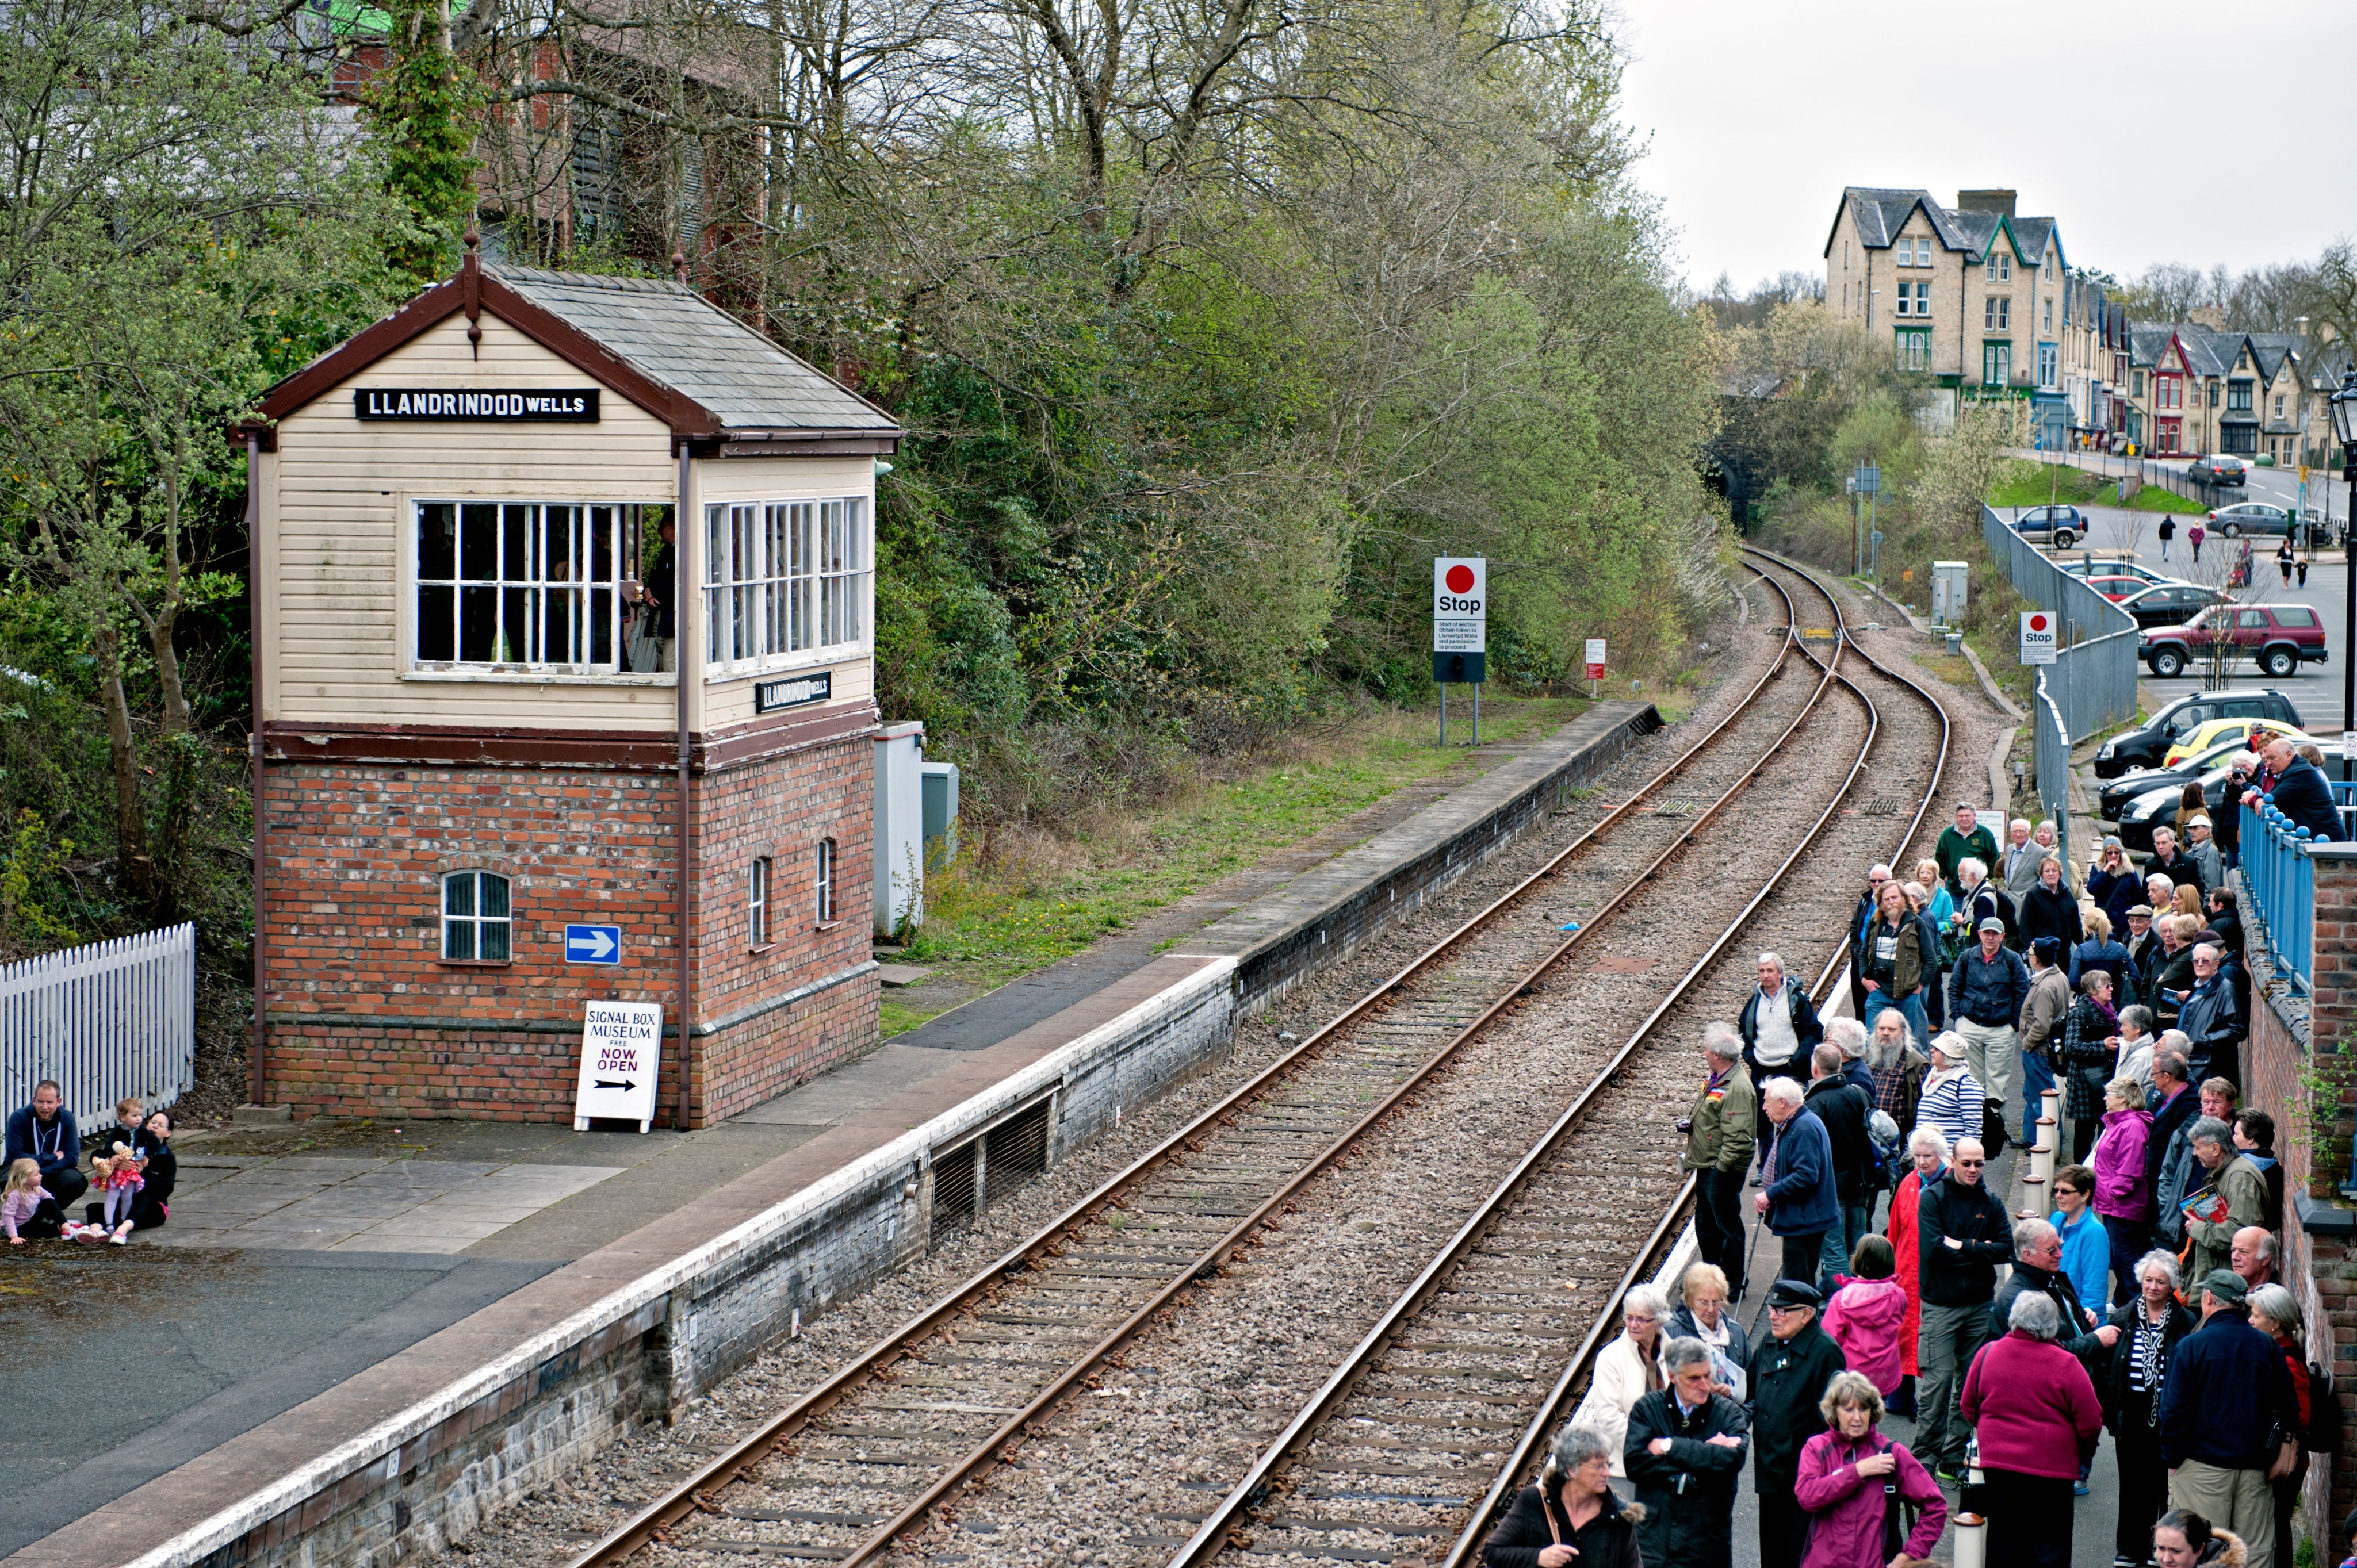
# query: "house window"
[[2120, 370], [2279, 400], [2238, 396], [826, 872], [477, 920], [522, 585], [785, 579], [2136, 387], [1996, 313], [756, 902], [2049, 370], [2000, 266], [2050, 312], [2167, 392], [1914, 348], [1915, 299], [1996, 364]]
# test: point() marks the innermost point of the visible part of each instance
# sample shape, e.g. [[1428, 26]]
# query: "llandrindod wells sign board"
[[516, 406]]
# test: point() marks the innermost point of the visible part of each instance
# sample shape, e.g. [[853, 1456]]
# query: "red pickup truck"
[[2281, 637]]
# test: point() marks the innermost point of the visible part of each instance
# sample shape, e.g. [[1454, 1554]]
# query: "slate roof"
[[674, 336], [1878, 215], [2148, 341]]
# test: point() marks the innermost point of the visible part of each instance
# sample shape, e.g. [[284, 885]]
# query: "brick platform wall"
[[2298, 1052], [366, 1018]]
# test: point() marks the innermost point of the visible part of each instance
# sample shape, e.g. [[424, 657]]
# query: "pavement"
[[315, 1278]]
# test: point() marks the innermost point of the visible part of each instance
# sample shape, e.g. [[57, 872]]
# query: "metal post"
[[1476, 713], [1444, 711], [2349, 629]]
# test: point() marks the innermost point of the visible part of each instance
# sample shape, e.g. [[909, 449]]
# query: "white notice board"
[[1461, 605], [621, 1056]]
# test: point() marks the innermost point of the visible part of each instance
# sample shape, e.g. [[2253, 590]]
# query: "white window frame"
[[2050, 365], [1996, 364], [788, 583], [521, 591], [472, 921], [829, 871], [756, 902], [1915, 349], [2000, 267]]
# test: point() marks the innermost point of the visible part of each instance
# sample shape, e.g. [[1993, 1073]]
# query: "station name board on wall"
[[792, 693], [511, 405]]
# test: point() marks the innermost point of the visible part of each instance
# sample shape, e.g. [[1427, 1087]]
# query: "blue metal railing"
[[2276, 867]]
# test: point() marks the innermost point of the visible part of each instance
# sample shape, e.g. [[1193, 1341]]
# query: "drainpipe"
[[254, 1059], [687, 599]]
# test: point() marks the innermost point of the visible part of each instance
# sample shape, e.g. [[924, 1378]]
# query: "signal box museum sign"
[[621, 1054], [512, 406], [1461, 605]]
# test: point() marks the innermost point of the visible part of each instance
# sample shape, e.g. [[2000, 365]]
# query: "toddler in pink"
[[1865, 1313]]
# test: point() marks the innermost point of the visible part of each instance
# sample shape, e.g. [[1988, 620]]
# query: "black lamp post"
[[2344, 430]]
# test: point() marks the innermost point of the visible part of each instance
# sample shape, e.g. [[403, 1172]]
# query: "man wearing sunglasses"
[[1965, 1235]]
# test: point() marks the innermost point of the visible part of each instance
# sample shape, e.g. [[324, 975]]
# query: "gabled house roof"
[[1878, 215], [659, 343]]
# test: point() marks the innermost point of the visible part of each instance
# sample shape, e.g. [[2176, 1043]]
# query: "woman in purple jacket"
[[1854, 1480], [2123, 1197]]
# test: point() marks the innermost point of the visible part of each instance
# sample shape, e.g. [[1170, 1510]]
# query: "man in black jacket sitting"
[[2300, 791], [1685, 1453]]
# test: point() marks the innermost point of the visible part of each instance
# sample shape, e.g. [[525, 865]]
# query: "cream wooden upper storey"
[[336, 546]]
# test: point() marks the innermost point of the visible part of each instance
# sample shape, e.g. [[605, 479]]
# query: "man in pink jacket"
[[2038, 1419]]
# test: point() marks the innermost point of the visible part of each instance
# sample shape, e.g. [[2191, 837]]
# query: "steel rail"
[[1211, 1537], [1553, 1408], [694, 1494]]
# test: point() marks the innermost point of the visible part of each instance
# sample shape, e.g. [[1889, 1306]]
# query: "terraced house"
[[1974, 294]]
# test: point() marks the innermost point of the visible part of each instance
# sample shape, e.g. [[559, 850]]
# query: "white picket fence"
[[106, 1020]]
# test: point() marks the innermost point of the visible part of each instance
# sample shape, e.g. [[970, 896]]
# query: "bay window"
[[527, 586]]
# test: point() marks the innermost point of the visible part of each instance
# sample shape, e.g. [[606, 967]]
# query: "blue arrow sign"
[[593, 944]]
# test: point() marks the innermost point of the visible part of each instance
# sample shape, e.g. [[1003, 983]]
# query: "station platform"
[[357, 1341]]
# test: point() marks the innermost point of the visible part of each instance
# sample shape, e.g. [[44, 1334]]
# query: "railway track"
[[870, 1455], [1422, 1433]]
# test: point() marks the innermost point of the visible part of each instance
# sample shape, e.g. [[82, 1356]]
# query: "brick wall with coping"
[[2299, 1047], [367, 1019]]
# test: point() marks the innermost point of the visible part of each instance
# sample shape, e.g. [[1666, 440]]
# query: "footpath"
[[359, 1340]]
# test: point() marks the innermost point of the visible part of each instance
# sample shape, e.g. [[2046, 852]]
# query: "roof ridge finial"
[[679, 267], [471, 280]]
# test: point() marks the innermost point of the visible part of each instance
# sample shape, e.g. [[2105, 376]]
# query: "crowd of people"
[[2144, 1302], [126, 1171]]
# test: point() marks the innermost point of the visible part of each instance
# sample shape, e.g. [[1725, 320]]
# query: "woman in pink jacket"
[[1853, 1481], [2034, 1410], [1865, 1314], [2121, 1195]]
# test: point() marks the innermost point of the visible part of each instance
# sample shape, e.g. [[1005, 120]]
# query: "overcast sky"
[[2170, 130]]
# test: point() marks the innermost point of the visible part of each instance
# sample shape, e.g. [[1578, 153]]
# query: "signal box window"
[[478, 921], [825, 882]]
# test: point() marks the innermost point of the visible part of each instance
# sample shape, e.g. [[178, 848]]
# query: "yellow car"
[[2199, 739]]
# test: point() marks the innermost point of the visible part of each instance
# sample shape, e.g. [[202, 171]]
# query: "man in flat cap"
[[2225, 1409], [1789, 1374]]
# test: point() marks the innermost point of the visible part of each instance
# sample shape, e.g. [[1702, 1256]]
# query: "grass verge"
[[2044, 483], [1021, 898]]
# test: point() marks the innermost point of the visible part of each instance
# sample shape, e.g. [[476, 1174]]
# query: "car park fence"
[[2050, 751], [2092, 680], [106, 1020]]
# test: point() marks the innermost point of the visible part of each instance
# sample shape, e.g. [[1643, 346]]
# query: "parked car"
[[2117, 795], [2250, 517], [2159, 807], [2218, 469], [2280, 636], [2169, 604], [2117, 567], [2146, 746], [2205, 738], [2060, 526]]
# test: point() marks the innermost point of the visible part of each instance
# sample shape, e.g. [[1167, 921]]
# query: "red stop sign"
[[1459, 579]]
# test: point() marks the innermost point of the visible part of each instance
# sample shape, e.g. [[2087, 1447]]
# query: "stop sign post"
[[1595, 663], [1461, 630]]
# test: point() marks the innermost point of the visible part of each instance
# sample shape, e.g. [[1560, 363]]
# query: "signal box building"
[[484, 796]]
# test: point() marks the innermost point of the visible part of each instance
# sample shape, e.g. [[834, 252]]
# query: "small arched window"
[[826, 872], [477, 919], [757, 901]]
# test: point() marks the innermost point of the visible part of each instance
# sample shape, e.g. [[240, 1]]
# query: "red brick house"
[[468, 739]]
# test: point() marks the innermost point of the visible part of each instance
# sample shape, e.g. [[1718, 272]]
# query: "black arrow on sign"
[[609, 1083]]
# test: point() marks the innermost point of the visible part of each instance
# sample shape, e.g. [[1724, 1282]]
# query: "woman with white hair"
[[1952, 1099], [2036, 1412], [1627, 1369], [1571, 1515], [1928, 1147], [2152, 1324]]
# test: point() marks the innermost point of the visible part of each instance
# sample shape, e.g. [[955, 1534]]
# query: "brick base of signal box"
[[366, 1019]]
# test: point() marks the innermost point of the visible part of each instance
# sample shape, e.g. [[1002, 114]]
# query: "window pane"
[[479, 543], [519, 560], [436, 632], [519, 623], [458, 938], [715, 543], [495, 896], [459, 894], [437, 541], [495, 941], [601, 626], [479, 624]]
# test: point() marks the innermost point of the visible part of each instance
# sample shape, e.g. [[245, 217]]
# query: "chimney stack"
[[1987, 201]]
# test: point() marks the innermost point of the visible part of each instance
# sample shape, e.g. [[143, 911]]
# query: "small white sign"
[[621, 1057], [1461, 605], [2038, 636]]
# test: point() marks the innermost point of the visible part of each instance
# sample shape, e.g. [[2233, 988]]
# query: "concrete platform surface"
[[334, 1285]]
